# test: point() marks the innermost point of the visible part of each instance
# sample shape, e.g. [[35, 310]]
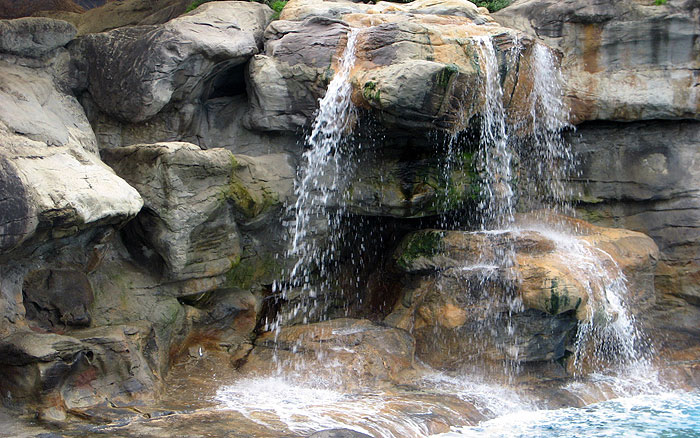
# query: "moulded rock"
[[172, 62], [623, 60], [60, 372], [34, 37], [387, 186], [643, 176], [353, 351], [196, 202], [419, 65], [55, 182], [186, 220], [473, 291], [113, 14]]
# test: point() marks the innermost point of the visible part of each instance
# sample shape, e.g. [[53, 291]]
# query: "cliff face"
[[637, 63], [149, 165]]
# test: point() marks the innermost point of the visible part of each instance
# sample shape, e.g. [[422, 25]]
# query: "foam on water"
[[668, 415], [311, 406], [489, 398]]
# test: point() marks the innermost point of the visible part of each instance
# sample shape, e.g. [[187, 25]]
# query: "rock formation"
[[147, 188]]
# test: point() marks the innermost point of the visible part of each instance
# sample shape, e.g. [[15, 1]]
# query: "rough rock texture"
[[415, 68], [51, 171], [34, 37], [186, 220], [453, 312], [98, 366], [385, 184], [114, 14], [170, 62], [57, 297], [623, 60], [15, 9], [644, 176], [193, 200]]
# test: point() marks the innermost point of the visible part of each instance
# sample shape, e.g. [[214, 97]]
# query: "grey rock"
[[76, 371], [383, 185], [56, 183], [186, 223], [34, 37], [168, 63], [643, 176], [113, 14], [56, 299]]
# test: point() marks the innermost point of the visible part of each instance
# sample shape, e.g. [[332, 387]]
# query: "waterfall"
[[320, 184], [496, 157]]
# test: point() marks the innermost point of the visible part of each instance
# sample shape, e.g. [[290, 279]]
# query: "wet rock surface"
[[460, 302], [133, 292]]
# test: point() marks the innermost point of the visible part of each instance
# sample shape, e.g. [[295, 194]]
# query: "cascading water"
[[496, 157], [320, 184]]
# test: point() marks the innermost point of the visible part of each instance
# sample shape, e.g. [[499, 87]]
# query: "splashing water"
[[610, 334], [671, 415], [545, 158], [313, 404]]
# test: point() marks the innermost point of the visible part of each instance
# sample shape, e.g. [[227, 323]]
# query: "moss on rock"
[[420, 244]]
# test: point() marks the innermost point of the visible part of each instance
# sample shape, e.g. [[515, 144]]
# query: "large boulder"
[[195, 201], [623, 60], [58, 373], [385, 184], [34, 37], [420, 65], [103, 15], [174, 62], [186, 220], [462, 302], [55, 182]]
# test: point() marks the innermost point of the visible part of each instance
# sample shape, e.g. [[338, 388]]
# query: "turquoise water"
[[669, 415]]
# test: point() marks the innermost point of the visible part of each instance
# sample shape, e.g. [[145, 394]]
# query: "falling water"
[[320, 184], [545, 159], [497, 198]]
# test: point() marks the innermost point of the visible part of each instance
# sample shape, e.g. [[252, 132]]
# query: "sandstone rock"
[[172, 62], [419, 65], [623, 60], [221, 320], [70, 372], [56, 299], [354, 352], [549, 285], [196, 203], [34, 37], [383, 185], [13, 9]]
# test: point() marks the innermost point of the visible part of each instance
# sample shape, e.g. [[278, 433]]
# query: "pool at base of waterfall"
[[667, 415]]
